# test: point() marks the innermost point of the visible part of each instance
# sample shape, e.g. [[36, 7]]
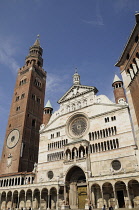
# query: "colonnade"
[[17, 180], [120, 194]]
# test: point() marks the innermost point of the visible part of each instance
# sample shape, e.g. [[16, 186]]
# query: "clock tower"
[[20, 150]]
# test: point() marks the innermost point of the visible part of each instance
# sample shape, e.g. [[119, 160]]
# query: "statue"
[[35, 167], [68, 156], [81, 153]]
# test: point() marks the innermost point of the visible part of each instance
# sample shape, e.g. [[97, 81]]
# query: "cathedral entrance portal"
[[76, 188]]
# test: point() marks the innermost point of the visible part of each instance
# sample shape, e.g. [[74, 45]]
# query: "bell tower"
[[119, 93], [20, 150]]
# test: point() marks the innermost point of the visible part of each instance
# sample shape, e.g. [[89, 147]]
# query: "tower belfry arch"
[[76, 188]]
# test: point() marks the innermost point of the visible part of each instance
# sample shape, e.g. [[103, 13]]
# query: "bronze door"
[[82, 196]]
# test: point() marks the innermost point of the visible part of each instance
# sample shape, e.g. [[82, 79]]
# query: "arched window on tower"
[[33, 123]]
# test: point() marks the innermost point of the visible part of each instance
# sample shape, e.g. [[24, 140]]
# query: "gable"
[[75, 91]]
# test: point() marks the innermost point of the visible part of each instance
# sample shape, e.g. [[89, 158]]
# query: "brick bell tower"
[[129, 67], [20, 150], [119, 93]]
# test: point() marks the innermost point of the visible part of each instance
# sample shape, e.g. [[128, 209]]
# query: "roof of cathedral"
[[75, 91], [48, 105], [116, 79]]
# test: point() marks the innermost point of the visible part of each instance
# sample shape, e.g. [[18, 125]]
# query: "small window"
[[33, 123], [23, 95], [50, 174], [23, 81], [18, 108], [38, 100], [58, 134], [33, 96], [38, 83], [17, 98], [106, 119], [127, 56], [52, 136], [136, 39], [116, 165], [113, 118]]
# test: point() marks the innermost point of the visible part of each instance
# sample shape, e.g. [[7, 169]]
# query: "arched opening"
[[29, 201], [121, 194], [22, 200], [76, 188], [9, 200], [36, 199], [3, 200], [108, 194], [133, 186], [96, 196], [44, 199], [53, 198], [15, 199]]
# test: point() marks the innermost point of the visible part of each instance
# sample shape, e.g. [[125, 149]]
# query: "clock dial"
[[13, 138]]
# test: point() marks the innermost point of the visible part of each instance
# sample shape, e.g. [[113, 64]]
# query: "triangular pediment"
[[75, 91]]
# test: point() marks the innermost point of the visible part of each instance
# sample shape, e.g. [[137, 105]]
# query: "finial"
[[76, 70], [37, 42]]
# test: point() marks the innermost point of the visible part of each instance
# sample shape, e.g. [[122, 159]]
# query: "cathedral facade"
[[88, 150]]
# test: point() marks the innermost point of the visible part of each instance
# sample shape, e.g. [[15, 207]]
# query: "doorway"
[[82, 196], [76, 188], [120, 196]]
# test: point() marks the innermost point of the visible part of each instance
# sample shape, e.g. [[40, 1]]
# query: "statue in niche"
[[75, 153], [81, 153], [68, 156], [35, 167]]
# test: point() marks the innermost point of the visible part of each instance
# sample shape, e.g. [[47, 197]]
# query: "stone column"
[[18, 200], [57, 203], [101, 188], [25, 201], [65, 198], [92, 193], [39, 203], [48, 204], [5, 201], [20, 180], [115, 197], [32, 201], [130, 206]]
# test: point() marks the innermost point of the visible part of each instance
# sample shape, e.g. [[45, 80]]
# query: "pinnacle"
[[48, 105], [116, 79], [37, 42]]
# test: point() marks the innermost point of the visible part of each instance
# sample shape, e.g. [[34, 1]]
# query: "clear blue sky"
[[87, 34]]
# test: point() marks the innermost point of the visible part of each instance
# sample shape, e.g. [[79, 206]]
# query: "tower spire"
[[37, 42], [35, 54]]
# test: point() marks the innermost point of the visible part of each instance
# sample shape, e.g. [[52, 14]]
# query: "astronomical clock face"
[[77, 126], [13, 138]]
